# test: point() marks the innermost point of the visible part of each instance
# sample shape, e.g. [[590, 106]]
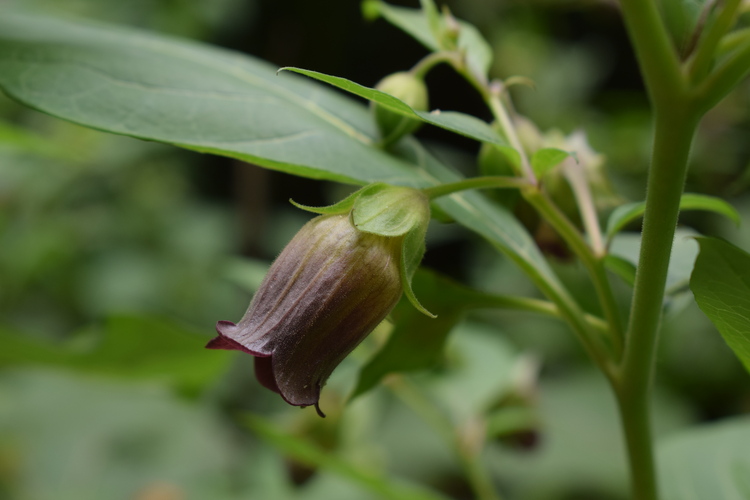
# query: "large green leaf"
[[195, 96], [206, 99], [454, 121], [707, 463], [721, 285]]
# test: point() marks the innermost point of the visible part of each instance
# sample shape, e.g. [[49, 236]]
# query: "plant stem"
[[673, 135], [595, 266]]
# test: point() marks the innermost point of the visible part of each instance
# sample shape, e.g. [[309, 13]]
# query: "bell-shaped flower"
[[329, 288]]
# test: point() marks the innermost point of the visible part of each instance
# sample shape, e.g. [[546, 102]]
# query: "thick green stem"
[[672, 138]]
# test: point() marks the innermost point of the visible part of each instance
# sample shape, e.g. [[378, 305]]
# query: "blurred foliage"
[[115, 262]]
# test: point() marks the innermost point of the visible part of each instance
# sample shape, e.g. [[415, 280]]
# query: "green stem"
[[673, 135], [487, 182], [431, 60], [595, 266], [658, 61], [539, 306], [503, 119], [469, 457]]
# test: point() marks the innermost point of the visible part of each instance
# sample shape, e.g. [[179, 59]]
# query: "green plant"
[[207, 100]]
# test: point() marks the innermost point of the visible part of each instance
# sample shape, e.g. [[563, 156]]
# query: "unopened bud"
[[409, 89]]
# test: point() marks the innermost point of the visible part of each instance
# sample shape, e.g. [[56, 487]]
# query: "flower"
[[329, 288]]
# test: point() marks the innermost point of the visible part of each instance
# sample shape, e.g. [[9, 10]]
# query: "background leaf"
[[625, 214], [721, 285], [706, 463], [417, 341], [127, 346]]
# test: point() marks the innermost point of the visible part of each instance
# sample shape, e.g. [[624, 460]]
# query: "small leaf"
[[624, 268], [546, 159], [708, 462], [425, 27], [721, 285], [312, 455], [340, 207], [454, 121], [625, 214]]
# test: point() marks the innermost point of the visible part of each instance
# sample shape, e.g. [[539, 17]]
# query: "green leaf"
[[625, 214], [191, 95], [417, 341], [312, 455], [624, 268], [706, 463], [721, 285], [627, 246], [546, 159], [137, 347], [454, 121], [206, 99], [418, 24]]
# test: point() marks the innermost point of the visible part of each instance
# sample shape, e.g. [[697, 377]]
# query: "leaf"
[[625, 214], [627, 246], [417, 341], [415, 23], [137, 347], [546, 159], [312, 455], [191, 95], [707, 462], [454, 121], [206, 99], [624, 268], [721, 285]]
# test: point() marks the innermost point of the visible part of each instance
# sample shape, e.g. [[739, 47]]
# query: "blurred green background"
[[118, 256]]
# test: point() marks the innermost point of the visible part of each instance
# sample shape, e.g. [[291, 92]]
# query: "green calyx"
[[390, 212]]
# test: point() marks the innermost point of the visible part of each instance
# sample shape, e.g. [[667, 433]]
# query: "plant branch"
[[593, 264], [658, 61]]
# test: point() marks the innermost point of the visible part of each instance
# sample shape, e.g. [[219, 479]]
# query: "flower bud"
[[407, 88], [329, 288]]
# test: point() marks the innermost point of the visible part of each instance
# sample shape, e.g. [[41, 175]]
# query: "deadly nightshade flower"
[[329, 288]]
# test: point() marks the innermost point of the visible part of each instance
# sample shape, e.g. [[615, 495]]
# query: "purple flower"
[[331, 286]]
